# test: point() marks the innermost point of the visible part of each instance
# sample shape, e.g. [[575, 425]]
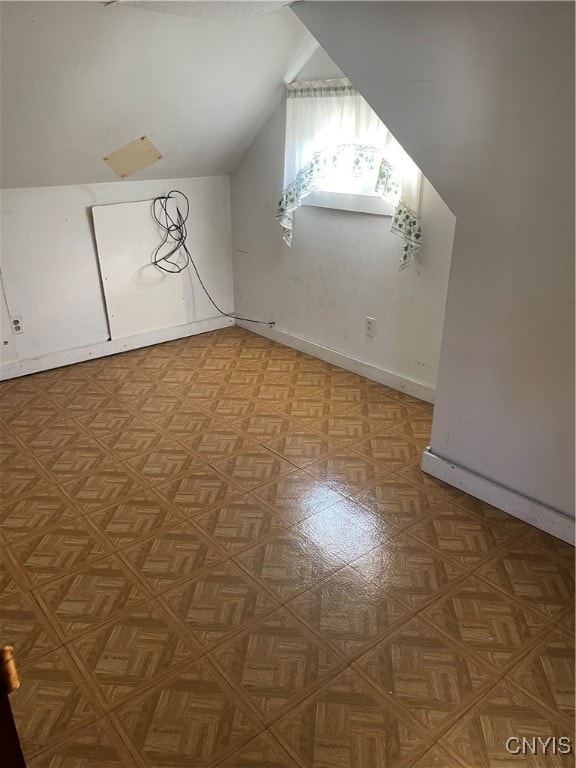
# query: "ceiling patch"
[[133, 157]]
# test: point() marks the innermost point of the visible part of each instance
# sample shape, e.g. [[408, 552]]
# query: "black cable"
[[177, 232]]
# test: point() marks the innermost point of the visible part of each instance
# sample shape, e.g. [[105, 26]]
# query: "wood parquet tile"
[[312, 379], [32, 417], [95, 400], [462, 536], [179, 373], [80, 459], [92, 747], [487, 622], [133, 386], [12, 454], [526, 573], [289, 563], [155, 407], [233, 405], [385, 412], [274, 393], [184, 424], [480, 738], [437, 758], [297, 495], [191, 718], [346, 427], [135, 518], [345, 529], [171, 556], [309, 409], [90, 596], [129, 654], [413, 473], [31, 514], [263, 751], [217, 604], [203, 392], [17, 394], [263, 427], [60, 550], [14, 462], [390, 451], [254, 467], [53, 704], [115, 419], [54, 437], [161, 465], [401, 503], [303, 446], [553, 547], [221, 552], [107, 484], [198, 490], [494, 516], [348, 613], [275, 663], [409, 571], [548, 672], [567, 621], [347, 470], [219, 442], [416, 428], [24, 481], [134, 441], [247, 377], [25, 627], [348, 724], [425, 674], [241, 522]]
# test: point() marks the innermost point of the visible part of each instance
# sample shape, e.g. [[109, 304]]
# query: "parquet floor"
[[222, 552]]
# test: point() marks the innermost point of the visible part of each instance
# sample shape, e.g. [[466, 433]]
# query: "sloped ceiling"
[[81, 79], [214, 9]]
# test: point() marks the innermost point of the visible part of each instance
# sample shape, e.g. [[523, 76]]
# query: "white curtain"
[[335, 141]]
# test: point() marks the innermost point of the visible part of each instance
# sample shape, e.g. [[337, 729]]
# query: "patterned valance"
[[356, 160], [337, 143], [314, 89]]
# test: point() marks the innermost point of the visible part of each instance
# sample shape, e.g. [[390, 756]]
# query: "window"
[[339, 154]]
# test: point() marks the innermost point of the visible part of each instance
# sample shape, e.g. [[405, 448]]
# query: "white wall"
[[49, 260], [8, 346], [341, 267], [482, 96]]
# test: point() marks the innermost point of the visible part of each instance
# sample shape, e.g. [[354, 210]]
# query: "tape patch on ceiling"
[[133, 157]]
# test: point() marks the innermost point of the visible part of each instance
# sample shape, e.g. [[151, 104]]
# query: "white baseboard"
[[533, 512], [389, 379], [111, 347]]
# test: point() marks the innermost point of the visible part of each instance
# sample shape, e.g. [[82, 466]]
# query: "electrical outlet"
[[16, 324], [370, 326]]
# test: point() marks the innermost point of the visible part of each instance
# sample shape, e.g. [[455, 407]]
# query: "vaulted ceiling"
[[81, 79]]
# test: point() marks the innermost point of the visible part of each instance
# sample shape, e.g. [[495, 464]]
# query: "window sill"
[[349, 202]]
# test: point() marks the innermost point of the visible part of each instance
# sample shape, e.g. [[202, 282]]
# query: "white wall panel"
[[139, 296]]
